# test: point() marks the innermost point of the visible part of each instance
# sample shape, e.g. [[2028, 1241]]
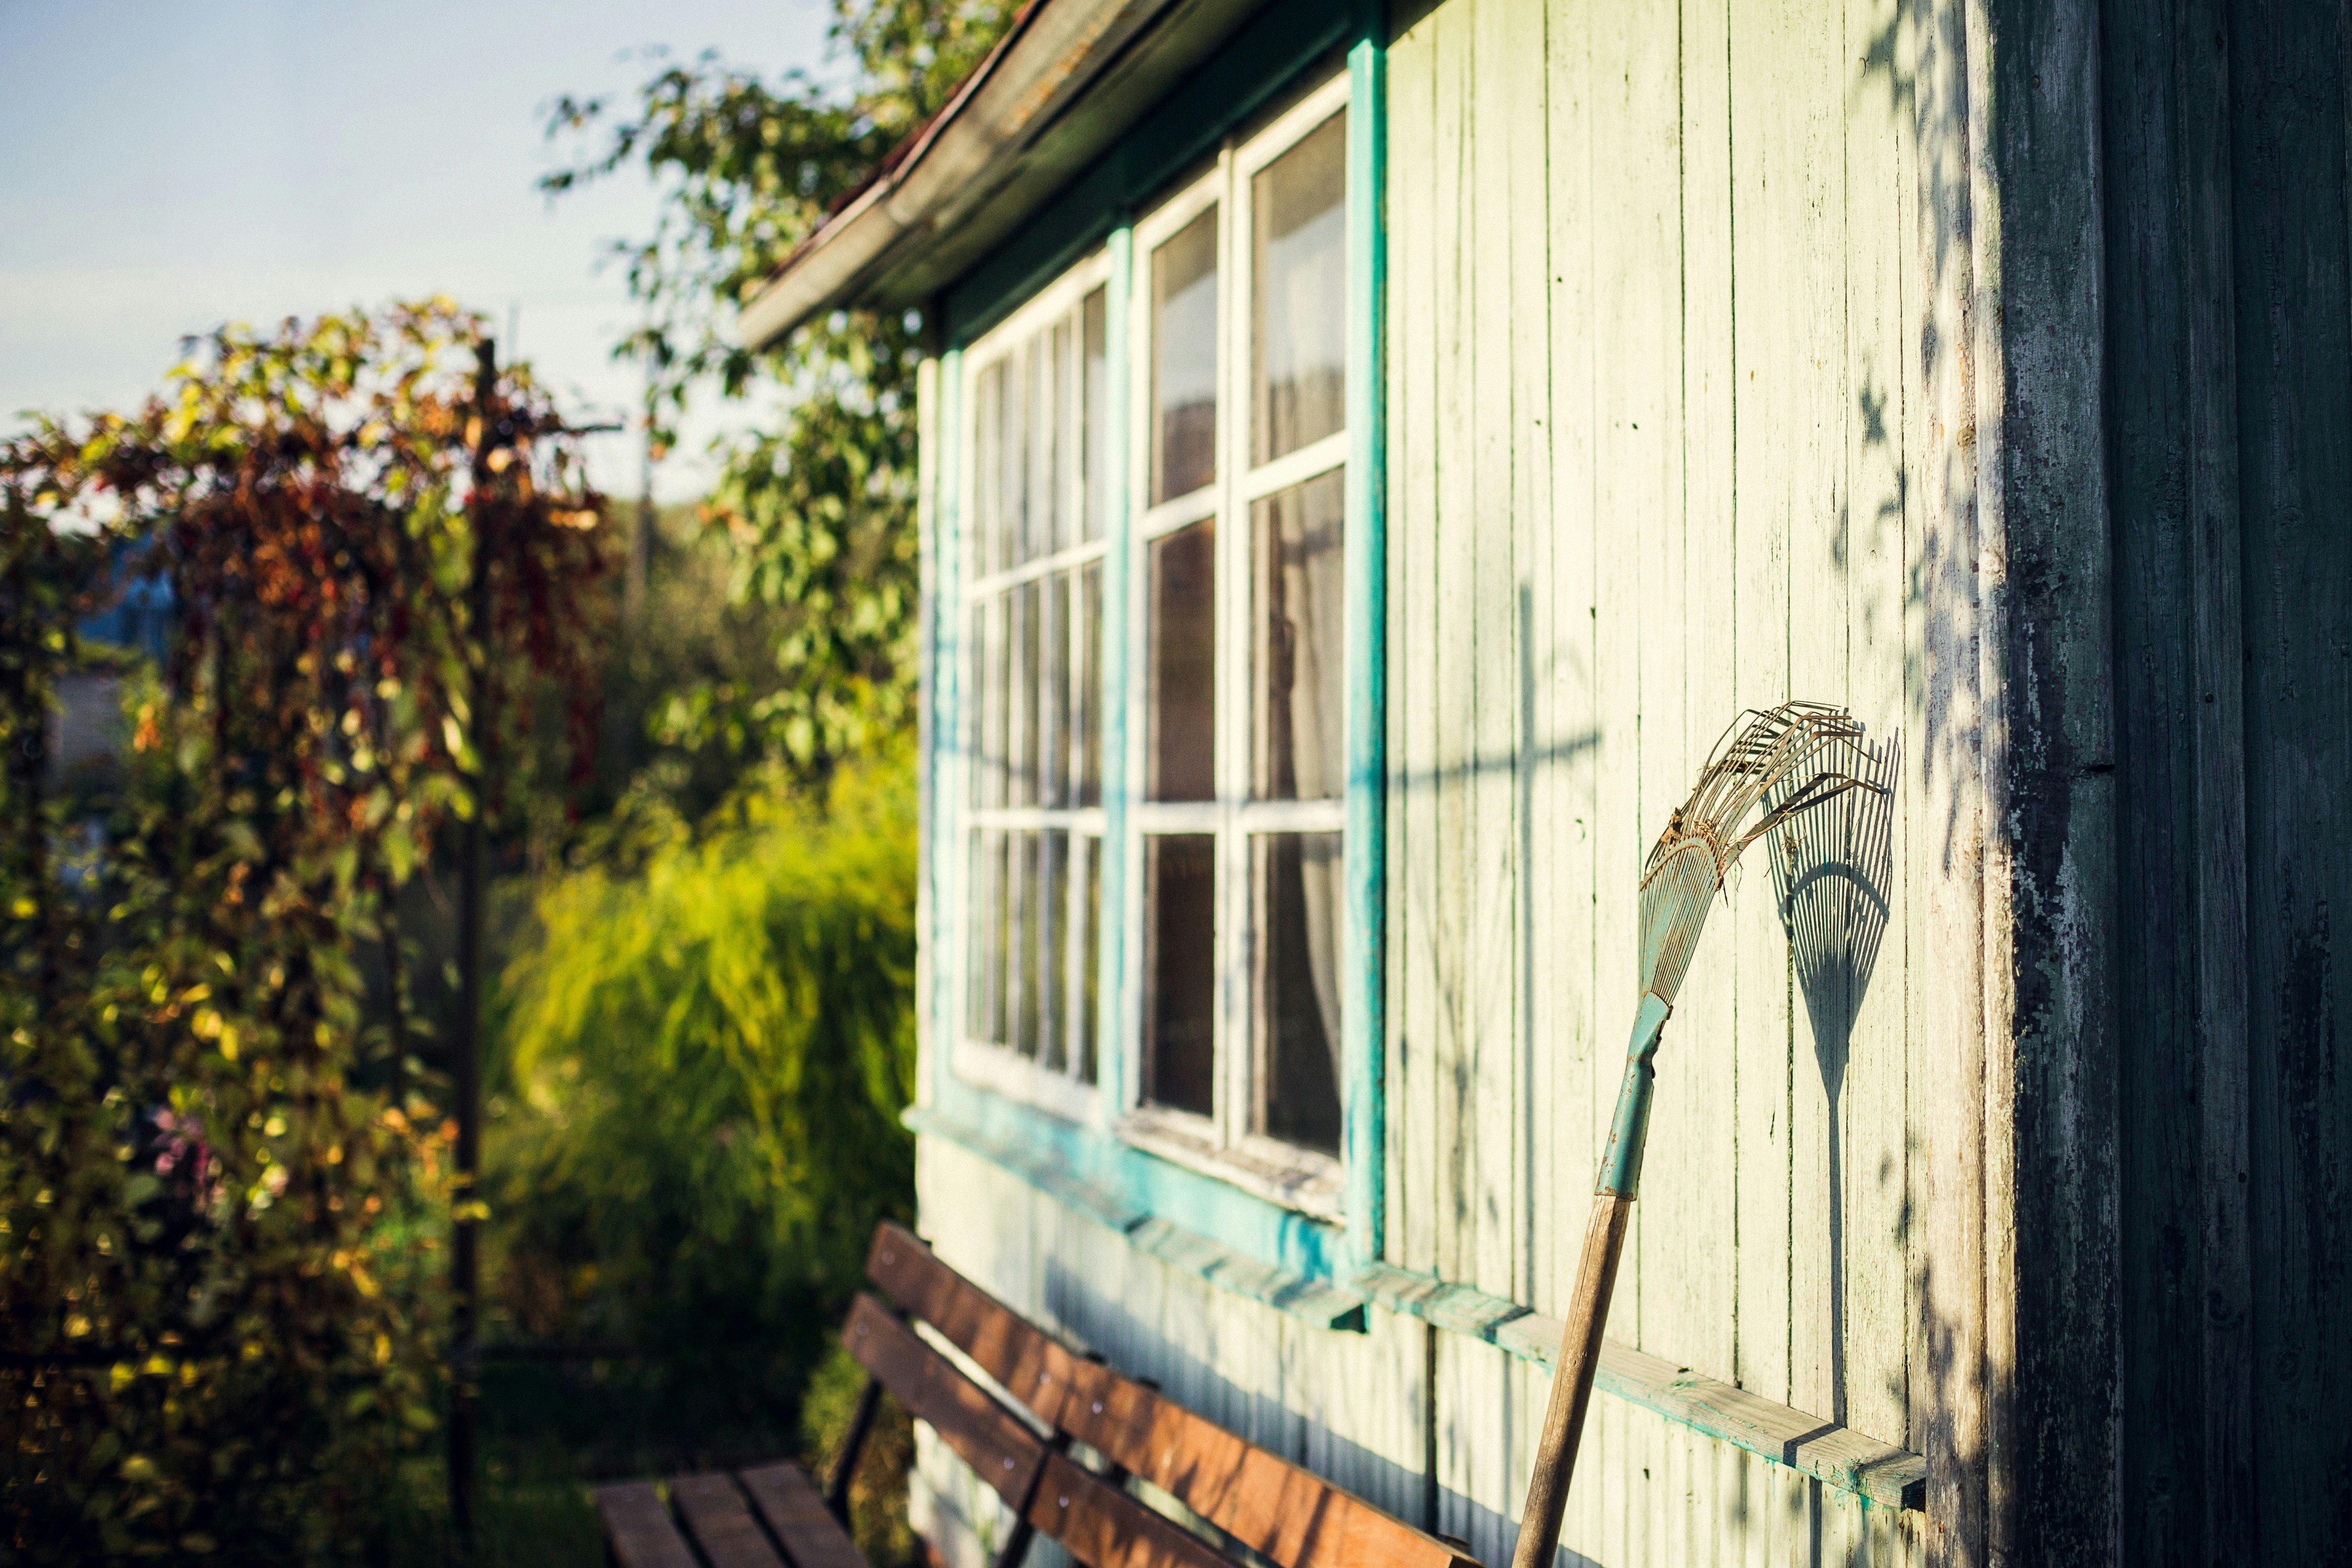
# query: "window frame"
[[1225, 1144], [1282, 54], [987, 1064]]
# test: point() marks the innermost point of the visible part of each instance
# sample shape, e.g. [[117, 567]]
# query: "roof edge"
[[1054, 52]]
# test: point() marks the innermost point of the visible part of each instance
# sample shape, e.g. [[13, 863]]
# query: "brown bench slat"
[[991, 1439], [1103, 1527], [722, 1523], [638, 1528], [1100, 1524], [1278, 1509], [788, 1500]]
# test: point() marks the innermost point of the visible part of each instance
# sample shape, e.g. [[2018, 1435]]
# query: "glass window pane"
[[1064, 494], [1038, 519], [1090, 952], [975, 703], [1296, 880], [1298, 272], [1024, 748], [1049, 979], [1054, 679], [991, 698], [1184, 359], [1095, 446], [1180, 884], [988, 479], [1299, 661], [999, 934], [979, 908], [1013, 465], [1182, 740], [1087, 680], [1021, 972]]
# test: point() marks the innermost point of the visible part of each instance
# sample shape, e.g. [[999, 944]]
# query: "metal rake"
[[1772, 761]]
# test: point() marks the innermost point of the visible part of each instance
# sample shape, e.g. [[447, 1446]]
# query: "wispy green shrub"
[[709, 1044]]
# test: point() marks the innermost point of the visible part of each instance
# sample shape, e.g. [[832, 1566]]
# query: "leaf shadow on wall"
[[1830, 870]]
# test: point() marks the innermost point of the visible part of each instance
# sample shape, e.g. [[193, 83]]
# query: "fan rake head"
[[1773, 758]]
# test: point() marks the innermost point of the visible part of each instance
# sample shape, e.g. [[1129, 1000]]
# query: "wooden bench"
[[775, 1517]]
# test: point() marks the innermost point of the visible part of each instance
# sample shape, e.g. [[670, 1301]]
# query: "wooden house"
[[1370, 455]]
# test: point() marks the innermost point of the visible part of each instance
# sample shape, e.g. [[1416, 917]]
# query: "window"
[[1239, 637], [1038, 500]]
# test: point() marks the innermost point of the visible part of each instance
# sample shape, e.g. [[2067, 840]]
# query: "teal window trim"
[[1364, 936], [1295, 35], [1119, 1071], [944, 831]]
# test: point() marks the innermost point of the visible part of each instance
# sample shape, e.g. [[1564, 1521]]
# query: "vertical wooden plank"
[[1412, 793], [2047, 647], [1493, 632], [1802, 213], [1636, 141], [1528, 341], [1772, 443], [1571, 688], [1471, 1378], [1456, 695], [1947, 993], [1696, 1201], [1623, 381], [1874, 1151], [2294, 244]]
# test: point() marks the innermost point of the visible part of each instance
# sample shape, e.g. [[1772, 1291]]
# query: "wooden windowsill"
[[1296, 1178], [1813, 1445]]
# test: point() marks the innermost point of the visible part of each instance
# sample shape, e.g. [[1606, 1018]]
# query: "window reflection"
[[1299, 242], [1296, 878], [1180, 881], [1183, 753], [1299, 660], [1184, 359]]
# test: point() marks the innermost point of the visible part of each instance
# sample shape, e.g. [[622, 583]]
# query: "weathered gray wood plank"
[[1412, 648], [2292, 246]]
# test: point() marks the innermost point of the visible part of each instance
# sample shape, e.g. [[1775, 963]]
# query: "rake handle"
[[1588, 1309], [1572, 1382]]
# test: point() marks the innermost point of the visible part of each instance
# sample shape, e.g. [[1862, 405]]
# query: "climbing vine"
[[223, 1195]]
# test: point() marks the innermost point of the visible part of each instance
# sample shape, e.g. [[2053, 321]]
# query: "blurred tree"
[[820, 510], [217, 1227]]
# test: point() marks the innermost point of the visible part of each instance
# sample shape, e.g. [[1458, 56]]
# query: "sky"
[[165, 167]]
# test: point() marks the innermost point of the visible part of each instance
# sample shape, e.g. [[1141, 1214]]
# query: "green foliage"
[[878, 1491], [710, 1044], [220, 1237], [822, 510]]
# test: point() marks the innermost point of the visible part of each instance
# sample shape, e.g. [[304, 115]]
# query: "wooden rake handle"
[[1587, 1309], [1572, 1382]]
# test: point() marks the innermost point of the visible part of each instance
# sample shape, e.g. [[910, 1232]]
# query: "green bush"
[[708, 1047]]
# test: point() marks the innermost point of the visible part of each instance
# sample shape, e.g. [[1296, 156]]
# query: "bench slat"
[[722, 1525], [788, 1500], [1284, 1512], [991, 1439], [1103, 1527], [639, 1529]]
